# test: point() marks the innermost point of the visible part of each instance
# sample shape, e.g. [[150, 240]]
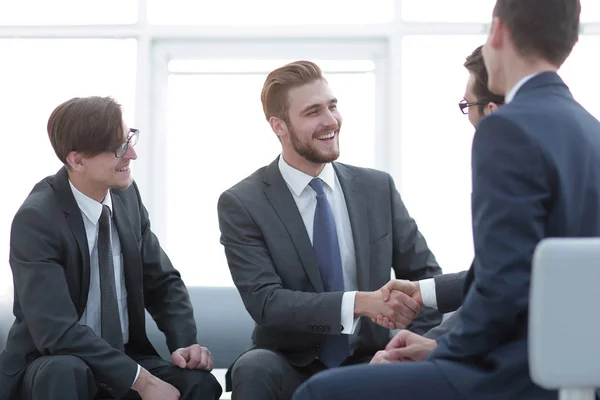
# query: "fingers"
[[178, 358], [205, 357], [195, 357], [211, 362], [404, 305], [379, 358], [401, 285], [398, 341], [402, 354], [199, 358]]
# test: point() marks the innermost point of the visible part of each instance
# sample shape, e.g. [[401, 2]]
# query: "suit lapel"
[[282, 201], [75, 222], [359, 221]]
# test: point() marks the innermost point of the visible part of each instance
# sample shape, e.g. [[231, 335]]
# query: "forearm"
[[285, 309]]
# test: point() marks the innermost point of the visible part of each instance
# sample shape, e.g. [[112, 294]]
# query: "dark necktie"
[[110, 322], [327, 252]]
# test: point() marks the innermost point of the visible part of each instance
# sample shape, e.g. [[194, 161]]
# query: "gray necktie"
[[110, 321]]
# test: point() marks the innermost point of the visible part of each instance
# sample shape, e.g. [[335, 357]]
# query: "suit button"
[[321, 329], [318, 346], [327, 329], [309, 327]]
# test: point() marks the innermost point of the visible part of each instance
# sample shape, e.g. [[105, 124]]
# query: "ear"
[[76, 161], [278, 126], [490, 108], [497, 31]]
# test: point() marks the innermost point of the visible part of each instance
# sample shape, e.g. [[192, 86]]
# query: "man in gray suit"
[[443, 292], [310, 242]]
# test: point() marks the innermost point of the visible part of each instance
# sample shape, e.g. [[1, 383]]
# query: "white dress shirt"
[[428, 285], [90, 212], [306, 201], [512, 92]]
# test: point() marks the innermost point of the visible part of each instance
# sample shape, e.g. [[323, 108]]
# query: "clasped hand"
[[402, 302]]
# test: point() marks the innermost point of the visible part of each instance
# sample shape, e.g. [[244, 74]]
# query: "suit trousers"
[[261, 374], [67, 377], [406, 380]]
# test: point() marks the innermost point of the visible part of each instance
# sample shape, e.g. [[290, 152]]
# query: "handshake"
[[394, 306]]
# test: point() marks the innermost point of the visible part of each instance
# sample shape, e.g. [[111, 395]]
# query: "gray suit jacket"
[[50, 262], [274, 268]]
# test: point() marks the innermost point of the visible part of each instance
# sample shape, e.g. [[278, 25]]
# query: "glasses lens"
[[121, 150], [134, 138]]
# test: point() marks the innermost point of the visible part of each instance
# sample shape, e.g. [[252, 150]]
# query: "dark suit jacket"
[[449, 291], [274, 267], [446, 326], [536, 174], [49, 258]]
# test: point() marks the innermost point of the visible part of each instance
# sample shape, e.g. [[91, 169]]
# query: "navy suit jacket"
[[536, 174]]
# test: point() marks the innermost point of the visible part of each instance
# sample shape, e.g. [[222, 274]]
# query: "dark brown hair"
[[545, 28], [475, 65], [90, 125], [274, 95]]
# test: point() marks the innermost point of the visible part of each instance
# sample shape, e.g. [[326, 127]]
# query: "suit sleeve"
[[449, 291], [511, 194], [443, 328], [165, 295], [412, 259], [261, 289], [41, 287]]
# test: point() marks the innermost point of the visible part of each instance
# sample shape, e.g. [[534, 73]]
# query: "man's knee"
[[48, 373], [257, 365], [203, 385], [64, 367]]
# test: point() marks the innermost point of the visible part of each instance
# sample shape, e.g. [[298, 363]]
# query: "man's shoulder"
[[250, 185], [366, 175], [42, 196]]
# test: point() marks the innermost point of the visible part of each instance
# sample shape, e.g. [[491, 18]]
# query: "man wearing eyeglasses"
[[85, 265]]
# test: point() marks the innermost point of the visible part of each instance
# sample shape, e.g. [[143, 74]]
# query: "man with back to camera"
[[310, 242], [442, 292], [536, 174], [85, 266]]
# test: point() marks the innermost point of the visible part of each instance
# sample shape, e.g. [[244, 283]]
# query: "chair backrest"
[[6, 321], [564, 323], [224, 326]]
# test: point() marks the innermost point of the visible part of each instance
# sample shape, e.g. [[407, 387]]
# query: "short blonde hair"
[[274, 95]]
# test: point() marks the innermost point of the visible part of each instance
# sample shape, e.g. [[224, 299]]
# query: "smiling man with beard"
[[310, 242]]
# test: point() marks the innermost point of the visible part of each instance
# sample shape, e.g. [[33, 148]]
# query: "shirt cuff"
[[136, 375], [427, 287], [349, 323]]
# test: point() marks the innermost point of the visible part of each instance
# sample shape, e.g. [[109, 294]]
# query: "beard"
[[310, 152]]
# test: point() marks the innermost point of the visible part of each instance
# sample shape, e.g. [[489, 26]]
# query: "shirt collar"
[[513, 92], [298, 180], [90, 207]]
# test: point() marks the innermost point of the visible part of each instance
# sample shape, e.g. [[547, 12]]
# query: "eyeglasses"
[[132, 139], [463, 105]]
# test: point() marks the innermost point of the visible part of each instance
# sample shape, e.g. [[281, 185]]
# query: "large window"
[[396, 67], [580, 73], [436, 144], [217, 135], [36, 75], [67, 12]]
